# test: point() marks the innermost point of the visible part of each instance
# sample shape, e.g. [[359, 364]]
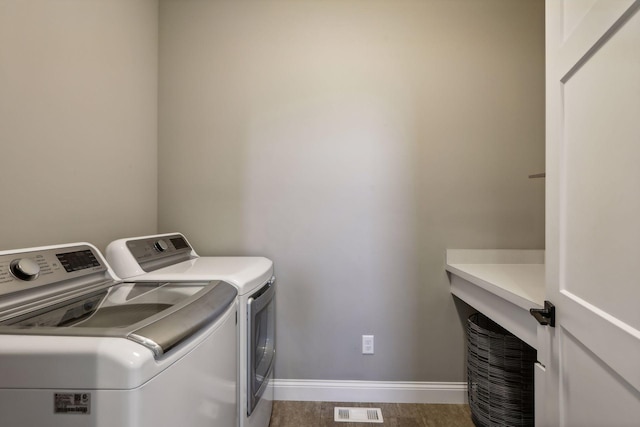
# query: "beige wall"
[[78, 120], [350, 141], [353, 142]]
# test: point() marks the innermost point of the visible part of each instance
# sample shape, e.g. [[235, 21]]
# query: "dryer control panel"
[[152, 253]]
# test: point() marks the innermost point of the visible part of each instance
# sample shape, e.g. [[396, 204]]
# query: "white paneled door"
[[589, 371]]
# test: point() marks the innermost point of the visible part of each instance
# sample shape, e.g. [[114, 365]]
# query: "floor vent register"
[[357, 415]]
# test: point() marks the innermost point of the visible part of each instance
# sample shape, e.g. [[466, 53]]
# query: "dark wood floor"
[[320, 414]]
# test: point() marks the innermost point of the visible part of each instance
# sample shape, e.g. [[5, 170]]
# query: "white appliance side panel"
[[34, 361], [197, 390], [30, 408], [121, 260], [200, 389]]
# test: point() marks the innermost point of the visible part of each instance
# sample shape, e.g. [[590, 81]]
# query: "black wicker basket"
[[500, 375]]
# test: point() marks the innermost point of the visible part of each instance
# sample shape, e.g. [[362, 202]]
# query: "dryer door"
[[261, 348]]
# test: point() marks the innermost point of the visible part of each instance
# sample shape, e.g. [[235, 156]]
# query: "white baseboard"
[[370, 391]]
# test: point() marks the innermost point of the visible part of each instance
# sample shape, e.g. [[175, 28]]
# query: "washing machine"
[[171, 257], [78, 347]]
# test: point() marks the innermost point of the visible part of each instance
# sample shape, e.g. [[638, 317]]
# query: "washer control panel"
[[24, 270]]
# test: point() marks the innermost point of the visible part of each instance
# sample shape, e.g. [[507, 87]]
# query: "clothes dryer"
[[171, 257], [78, 347]]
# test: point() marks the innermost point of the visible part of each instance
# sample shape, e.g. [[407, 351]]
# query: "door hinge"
[[545, 316]]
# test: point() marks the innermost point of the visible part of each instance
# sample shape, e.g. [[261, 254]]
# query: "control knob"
[[160, 245], [25, 269]]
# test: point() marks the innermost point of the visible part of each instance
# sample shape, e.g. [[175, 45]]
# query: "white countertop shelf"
[[503, 284]]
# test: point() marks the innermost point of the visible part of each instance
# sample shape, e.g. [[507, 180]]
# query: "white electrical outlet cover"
[[367, 344]]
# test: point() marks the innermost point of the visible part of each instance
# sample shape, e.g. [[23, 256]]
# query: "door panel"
[[587, 396], [573, 12], [592, 372], [601, 168], [614, 342]]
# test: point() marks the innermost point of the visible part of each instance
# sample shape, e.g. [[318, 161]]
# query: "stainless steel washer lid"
[[158, 315]]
